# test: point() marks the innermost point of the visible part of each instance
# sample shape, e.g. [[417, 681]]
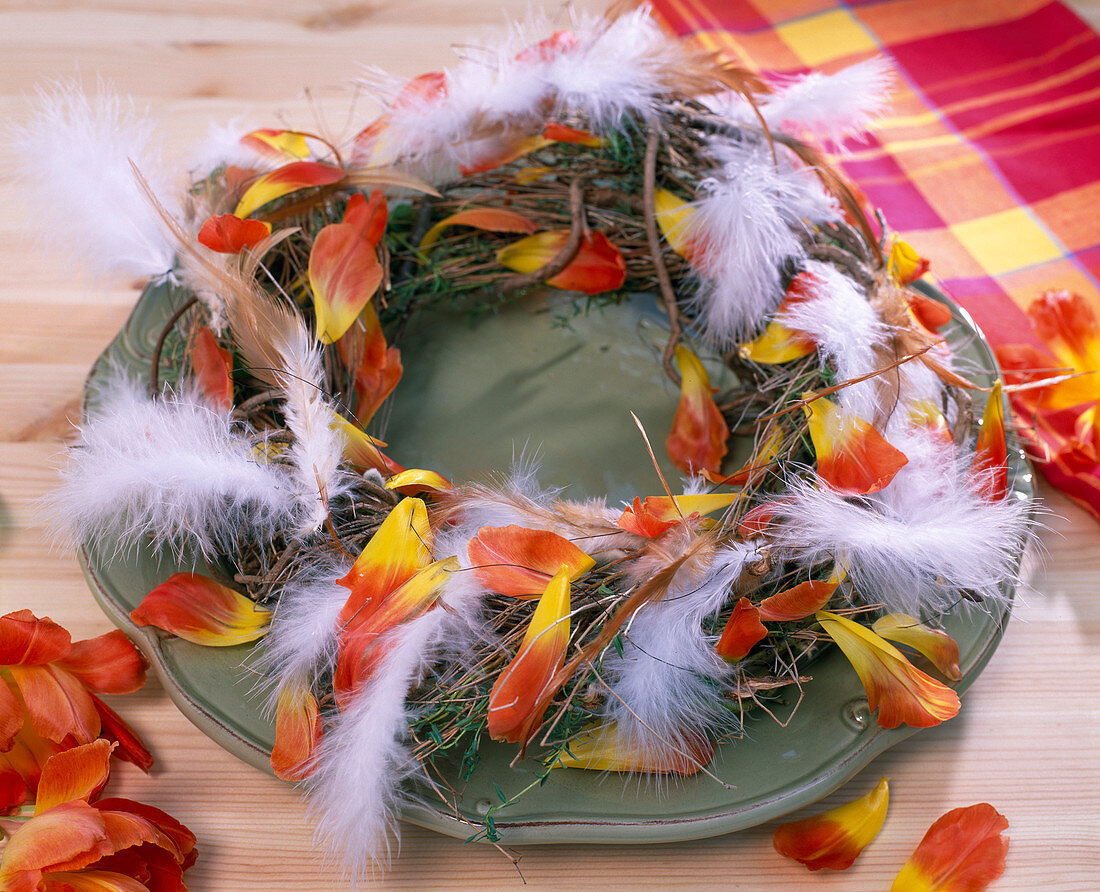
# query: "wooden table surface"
[[1029, 731]]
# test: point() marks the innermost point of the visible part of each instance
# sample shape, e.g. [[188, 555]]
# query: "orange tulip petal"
[[545, 50], [516, 561], [25, 639], [1067, 324], [742, 632], [417, 480], [115, 730], [229, 234], [928, 311], [399, 548], [285, 180], [11, 716], [798, 602], [78, 773], [212, 365], [368, 145], [852, 457], [182, 839], [368, 216], [834, 839], [67, 837], [57, 704], [376, 366], [109, 664], [599, 748], [560, 133], [900, 692], [778, 343], [202, 611], [641, 521], [963, 851], [297, 733], [344, 273], [989, 470], [939, 647], [925, 416], [597, 267], [280, 144], [756, 520], [524, 689], [699, 435], [489, 219]]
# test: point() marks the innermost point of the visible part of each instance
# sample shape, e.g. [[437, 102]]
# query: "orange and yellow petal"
[[1067, 324], [212, 366], [107, 664], [674, 219], [598, 265], [834, 839], [928, 312], [934, 644], [904, 264], [756, 520], [489, 219], [344, 273], [364, 451], [963, 851], [852, 456], [523, 689], [198, 609], [399, 549], [27, 640], [778, 343], [600, 748], [283, 181], [297, 732], [925, 416], [229, 234], [414, 481], [557, 44], [77, 773], [754, 469], [900, 692], [655, 514], [699, 435], [743, 631], [518, 561], [989, 469], [278, 144]]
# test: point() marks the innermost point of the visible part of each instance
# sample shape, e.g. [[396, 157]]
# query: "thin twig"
[[569, 250], [672, 308], [154, 369]]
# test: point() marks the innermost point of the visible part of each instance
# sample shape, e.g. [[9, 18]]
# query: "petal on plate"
[[597, 267], [963, 851], [115, 730], [344, 273], [108, 664], [77, 773], [202, 611], [599, 748], [778, 343], [989, 469], [285, 180], [376, 366], [742, 632], [297, 732], [395, 553], [362, 450], [524, 688], [800, 601], [699, 435], [57, 703], [489, 218], [852, 456], [900, 692], [212, 366], [674, 216], [835, 838], [229, 234], [25, 639], [277, 144], [417, 480], [936, 645], [905, 265], [514, 560]]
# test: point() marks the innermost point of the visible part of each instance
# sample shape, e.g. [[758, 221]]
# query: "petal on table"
[[699, 435], [297, 732], [742, 632], [285, 180], [900, 692], [25, 639], [524, 689], [57, 703], [489, 219], [229, 234], [107, 664], [852, 456], [202, 611], [212, 366], [344, 273], [834, 839], [599, 748], [598, 265], [989, 469], [936, 645], [278, 144], [514, 560], [77, 773], [963, 851], [417, 480]]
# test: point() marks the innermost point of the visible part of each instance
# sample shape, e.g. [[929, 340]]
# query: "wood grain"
[[1027, 737]]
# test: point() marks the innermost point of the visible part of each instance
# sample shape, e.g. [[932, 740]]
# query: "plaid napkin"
[[988, 162]]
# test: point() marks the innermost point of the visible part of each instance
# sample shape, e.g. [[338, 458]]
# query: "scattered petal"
[[548, 49], [597, 267], [229, 234], [801, 601], [108, 664], [29, 641], [285, 180], [656, 514], [673, 216], [517, 561], [369, 146], [58, 705], [834, 839], [556, 132], [852, 457], [699, 435], [489, 219], [344, 273], [742, 632], [114, 730], [936, 645], [778, 343], [363, 451], [202, 611], [963, 851]]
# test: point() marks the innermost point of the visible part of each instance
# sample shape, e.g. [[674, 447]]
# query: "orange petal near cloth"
[[489, 218], [212, 366], [416, 480], [599, 748], [900, 692], [742, 632], [376, 366], [937, 646], [598, 265], [517, 561], [699, 437], [229, 234], [523, 689], [989, 469], [852, 457], [202, 611], [963, 851], [297, 732], [283, 181], [835, 838]]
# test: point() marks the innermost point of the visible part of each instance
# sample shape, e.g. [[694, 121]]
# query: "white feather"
[[175, 470], [74, 157]]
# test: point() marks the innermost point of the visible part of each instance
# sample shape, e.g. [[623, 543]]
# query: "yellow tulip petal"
[[939, 647], [674, 220], [852, 456], [417, 480]]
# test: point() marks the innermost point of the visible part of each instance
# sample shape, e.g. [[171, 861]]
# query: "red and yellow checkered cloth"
[[988, 162]]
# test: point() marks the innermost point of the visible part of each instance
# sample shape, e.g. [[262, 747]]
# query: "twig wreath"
[[406, 617]]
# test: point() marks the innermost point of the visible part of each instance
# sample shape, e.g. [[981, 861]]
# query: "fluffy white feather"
[[74, 155], [176, 470]]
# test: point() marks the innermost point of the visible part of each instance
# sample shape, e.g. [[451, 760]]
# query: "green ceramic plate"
[[559, 387]]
